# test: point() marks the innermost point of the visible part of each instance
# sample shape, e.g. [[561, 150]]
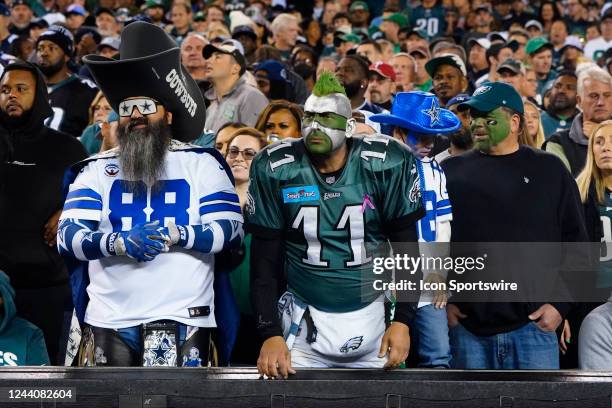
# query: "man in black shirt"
[[484, 186], [33, 161]]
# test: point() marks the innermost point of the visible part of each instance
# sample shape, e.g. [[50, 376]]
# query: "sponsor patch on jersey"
[[301, 194], [111, 170], [329, 196]]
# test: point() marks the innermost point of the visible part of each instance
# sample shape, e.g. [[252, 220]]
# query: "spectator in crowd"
[[342, 22], [387, 49], [371, 50], [529, 90], [21, 48], [37, 27], [244, 145], [405, 68], [449, 77], [571, 53], [521, 37], [534, 28], [155, 10], [285, 31], [577, 17], [70, 95], [280, 120], [461, 139], [548, 14], [98, 113], [108, 47], [533, 122], [86, 40], [345, 43], [328, 64], [595, 48], [381, 85], [148, 157], [27, 246], [478, 61], [225, 134], [511, 72], [181, 16], [422, 80], [247, 37], [106, 22], [594, 98], [562, 107], [416, 118], [6, 37], [272, 80], [496, 55], [231, 99], [353, 72], [75, 17], [192, 48], [429, 16], [391, 25], [22, 343], [594, 348], [21, 15], [526, 331], [304, 61], [558, 34], [540, 53], [327, 119], [360, 16]]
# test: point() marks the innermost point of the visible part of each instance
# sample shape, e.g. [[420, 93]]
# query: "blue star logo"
[[161, 352], [146, 107], [125, 108], [433, 113]]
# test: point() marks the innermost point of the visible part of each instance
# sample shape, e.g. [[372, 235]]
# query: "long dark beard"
[[142, 151], [462, 139]]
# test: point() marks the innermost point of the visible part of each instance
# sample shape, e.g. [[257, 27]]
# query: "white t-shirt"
[[596, 46]]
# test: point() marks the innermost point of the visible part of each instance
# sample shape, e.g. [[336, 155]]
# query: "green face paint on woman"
[[489, 129]]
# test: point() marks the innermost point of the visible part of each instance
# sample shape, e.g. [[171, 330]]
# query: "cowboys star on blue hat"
[[419, 112]]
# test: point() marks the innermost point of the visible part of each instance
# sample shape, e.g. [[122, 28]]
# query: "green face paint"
[[323, 132], [489, 129]]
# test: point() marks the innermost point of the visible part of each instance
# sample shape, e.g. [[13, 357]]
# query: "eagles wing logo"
[[111, 170], [250, 205], [481, 90], [352, 344], [415, 191]]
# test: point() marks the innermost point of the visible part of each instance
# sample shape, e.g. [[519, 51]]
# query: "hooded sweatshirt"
[[33, 161], [21, 343]]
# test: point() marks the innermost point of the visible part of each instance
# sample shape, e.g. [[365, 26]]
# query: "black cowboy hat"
[[149, 65]]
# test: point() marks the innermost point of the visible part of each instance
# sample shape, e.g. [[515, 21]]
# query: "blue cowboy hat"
[[419, 112]]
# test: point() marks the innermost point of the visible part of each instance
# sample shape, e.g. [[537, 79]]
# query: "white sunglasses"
[[146, 106]]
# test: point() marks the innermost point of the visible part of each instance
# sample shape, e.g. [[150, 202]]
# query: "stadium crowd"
[[172, 167]]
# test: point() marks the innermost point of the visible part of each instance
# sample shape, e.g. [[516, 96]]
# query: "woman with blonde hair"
[[595, 186], [533, 121]]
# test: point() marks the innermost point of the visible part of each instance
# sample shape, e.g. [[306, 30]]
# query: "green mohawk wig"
[[327, 84]]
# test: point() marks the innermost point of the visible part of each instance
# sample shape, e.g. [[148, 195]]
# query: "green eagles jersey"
[[430, 21], [332, 231], [604, 277]]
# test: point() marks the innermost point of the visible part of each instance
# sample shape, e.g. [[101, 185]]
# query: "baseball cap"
[[445, 59], [511, 65], [75, 9], [276, 71], [229, 46], [485, 7], [155, 3], [536, 44], [492, 95], [534, 23], [4, 10], [110, 42], [606, 14], [398, 18], [102, 10], [483, 42], [199, 16], [496, 48], [21, 3], [573, 42], [347, 38], [244, 30], [497, 36], [359, 5], [384, 70], [39, 23], [457, 99], [424, 51]]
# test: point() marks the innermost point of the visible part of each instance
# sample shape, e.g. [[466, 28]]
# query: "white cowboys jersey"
[[124, 292]]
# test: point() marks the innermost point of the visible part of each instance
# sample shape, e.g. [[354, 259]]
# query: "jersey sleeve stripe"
[[220, 196], [90, 215], [220, 207], [83, 205], [84, 193], [444, 211], [443, 203]]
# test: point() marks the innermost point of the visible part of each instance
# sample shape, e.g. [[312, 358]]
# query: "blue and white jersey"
[[195, 190], [438, 209]]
